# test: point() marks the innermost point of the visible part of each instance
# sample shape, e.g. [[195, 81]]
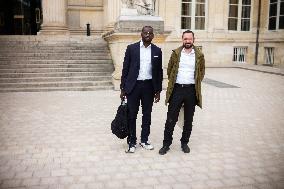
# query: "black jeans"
[[181, 95], [144, 92]]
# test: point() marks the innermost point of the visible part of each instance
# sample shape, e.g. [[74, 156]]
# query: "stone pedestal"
[[54, 17], [134, 23], [127, 30]]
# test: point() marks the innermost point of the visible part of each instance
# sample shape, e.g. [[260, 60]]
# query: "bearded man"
[[185, 71]]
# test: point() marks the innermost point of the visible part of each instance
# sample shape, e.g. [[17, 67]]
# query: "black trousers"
[[144, 92], [181, 95]]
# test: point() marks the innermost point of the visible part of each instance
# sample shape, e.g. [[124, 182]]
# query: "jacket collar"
[[141, 44]]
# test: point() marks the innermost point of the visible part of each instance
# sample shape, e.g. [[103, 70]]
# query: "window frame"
[[278, 6], [193, 16], [266, 55], [240, 18], [240, 52]]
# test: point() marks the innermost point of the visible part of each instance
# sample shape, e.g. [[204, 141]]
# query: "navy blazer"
[[131, 66]]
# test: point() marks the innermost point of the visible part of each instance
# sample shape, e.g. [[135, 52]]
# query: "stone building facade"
[[226, 30]]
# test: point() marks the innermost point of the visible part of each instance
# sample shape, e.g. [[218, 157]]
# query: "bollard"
[[88, 30]]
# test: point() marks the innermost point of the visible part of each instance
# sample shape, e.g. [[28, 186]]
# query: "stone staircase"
[[34, 63]]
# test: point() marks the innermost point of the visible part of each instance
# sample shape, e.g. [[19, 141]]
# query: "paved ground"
[[63, 139]]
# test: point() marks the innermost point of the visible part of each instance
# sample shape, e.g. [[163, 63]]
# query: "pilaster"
[[54, 17]]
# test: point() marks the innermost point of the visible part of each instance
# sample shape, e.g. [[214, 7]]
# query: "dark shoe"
[[164, 150], [185, 148]]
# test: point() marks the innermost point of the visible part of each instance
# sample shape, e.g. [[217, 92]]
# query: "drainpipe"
[[257, 33]]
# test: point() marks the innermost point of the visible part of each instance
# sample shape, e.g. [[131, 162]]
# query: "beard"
[[187, 45]]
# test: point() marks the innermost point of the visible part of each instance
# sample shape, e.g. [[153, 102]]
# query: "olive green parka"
[[198, 74]]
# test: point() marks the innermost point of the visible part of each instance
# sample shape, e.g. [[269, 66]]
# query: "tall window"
[[239, 15], [276, 15], [193, 14]]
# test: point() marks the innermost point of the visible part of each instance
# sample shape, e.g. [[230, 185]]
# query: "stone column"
[[54, 17], [111, 9]]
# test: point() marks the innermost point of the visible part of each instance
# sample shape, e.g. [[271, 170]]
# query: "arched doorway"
[[20, 17]]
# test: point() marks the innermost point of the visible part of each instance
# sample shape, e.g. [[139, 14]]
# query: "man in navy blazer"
[[141, 80]]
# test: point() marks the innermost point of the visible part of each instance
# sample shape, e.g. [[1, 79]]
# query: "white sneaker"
[[130, 149], [147, 146]]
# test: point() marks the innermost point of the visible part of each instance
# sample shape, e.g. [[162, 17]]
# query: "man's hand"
[[122, 94], [157, 97]]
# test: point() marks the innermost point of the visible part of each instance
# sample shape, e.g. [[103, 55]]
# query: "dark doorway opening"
[[20, 17]]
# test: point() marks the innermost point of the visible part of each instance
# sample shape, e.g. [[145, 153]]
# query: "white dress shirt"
[[186, 68], [145, 71]]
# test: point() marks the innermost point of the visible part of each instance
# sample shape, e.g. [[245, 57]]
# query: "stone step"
[[55, 57], [37, 50], [55, 45], [49, 89], [62, 55], [55, 79], [48, 54], [27, 58], [20, 66], [52, 74], [88, 61], [59, 44], [56, 84], [51, 39], [52, 43], [54, 64], [47, 70], [53, 49]]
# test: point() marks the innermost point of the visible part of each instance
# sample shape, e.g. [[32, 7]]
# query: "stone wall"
[[81, 12], [216, 40]]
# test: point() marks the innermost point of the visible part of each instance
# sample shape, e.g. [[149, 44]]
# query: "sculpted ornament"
[[143, 7]]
